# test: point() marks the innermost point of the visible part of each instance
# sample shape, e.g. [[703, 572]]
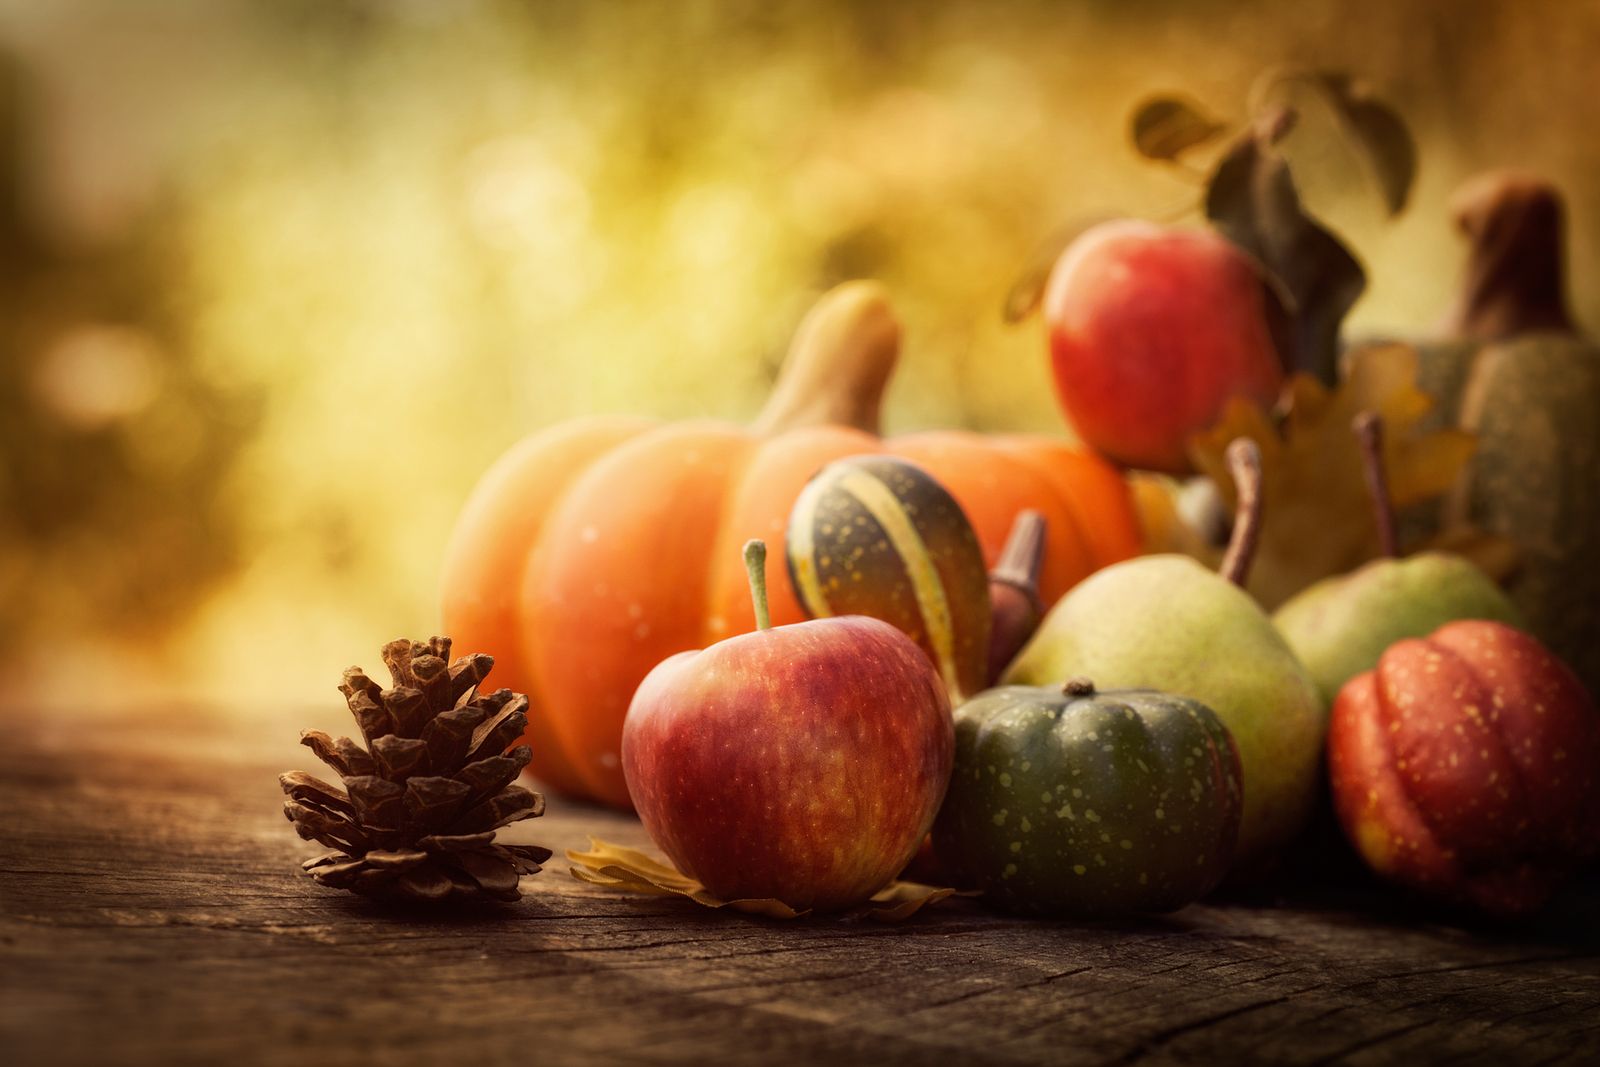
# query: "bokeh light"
[[281, 278]]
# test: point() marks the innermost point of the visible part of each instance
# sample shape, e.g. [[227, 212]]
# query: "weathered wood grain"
[[151, 912]]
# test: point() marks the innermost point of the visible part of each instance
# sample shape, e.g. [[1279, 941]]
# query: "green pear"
[[1165, 622], [1341, 625]]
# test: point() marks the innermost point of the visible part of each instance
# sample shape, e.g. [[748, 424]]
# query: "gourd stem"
[[1515, 275], [1023, 554], [1368, 427], [1244, 463], [1078, 686], [755, 564]]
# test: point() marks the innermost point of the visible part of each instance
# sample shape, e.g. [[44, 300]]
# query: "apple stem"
[[1244, 463], [1368, 427], [755, 564]]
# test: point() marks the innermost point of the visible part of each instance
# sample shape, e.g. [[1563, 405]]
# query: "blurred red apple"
[[1152, 331], [803, 763], [1467, 766]]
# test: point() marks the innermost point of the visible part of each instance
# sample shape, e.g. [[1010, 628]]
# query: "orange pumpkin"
[[595, 549]]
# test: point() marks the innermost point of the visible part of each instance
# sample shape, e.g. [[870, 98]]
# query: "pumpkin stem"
[[1368, 427], [755, 565], [1078, 687], [838, 364], [1244, 463], [1014, 607], [1515, 277]]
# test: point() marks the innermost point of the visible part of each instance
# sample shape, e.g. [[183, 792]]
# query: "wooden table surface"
[[152, 912]]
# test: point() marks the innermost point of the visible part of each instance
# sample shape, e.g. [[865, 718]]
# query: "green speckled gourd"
[[1516, 371], [1064, 801]]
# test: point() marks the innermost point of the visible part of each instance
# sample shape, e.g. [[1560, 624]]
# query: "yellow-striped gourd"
[[878, 536]]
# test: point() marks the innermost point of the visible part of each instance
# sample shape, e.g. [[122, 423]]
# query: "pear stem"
[[1368, 427], [1244, 463], [755, 564]]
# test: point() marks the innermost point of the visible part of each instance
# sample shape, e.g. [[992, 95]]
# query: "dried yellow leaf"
[[1318, 519], [628, 870]]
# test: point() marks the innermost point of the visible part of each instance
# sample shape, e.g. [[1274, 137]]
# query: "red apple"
[[803, 763], [1152, 331], [1467, 765]]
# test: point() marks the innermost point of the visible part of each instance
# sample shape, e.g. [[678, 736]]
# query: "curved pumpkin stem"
[[1515, 276], [838, 364]]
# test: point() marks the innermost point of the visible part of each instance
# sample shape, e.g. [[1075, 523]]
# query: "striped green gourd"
[[875, 535]]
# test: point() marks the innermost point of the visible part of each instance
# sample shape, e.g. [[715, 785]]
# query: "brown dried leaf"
[[631, 871], [1377, 132], [1317, 515], [1252, 200], [1165, 127]]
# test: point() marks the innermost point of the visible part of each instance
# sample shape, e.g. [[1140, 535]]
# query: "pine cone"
[[422, 801]]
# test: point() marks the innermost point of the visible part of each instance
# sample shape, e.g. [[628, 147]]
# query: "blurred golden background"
[[279, 279]]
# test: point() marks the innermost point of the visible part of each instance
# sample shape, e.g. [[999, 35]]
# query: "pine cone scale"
[[400, 757], [313, 791], [335, 831], [343, 755], [408, 710], [489, 776]]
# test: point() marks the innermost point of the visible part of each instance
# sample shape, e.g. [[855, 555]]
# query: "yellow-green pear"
[[1341, 625], [1166, 622]]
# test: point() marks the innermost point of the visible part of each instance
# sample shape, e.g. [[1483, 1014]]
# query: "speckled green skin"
[[1108, 804], [1534, 404], [1341, 625], [1165, 622]]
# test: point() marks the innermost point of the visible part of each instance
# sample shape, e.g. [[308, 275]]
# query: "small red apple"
[[1467, 765], [1152, 331], [803, 763]]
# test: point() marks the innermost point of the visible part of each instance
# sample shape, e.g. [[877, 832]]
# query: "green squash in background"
[[1064, 801], [1516, 372]]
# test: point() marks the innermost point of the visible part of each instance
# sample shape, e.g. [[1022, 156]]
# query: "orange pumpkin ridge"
[[595, 549]]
